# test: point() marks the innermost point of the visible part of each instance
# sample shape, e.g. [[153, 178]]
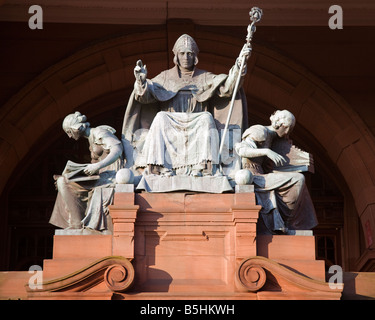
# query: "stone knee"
[[299, 180], [160, 116]]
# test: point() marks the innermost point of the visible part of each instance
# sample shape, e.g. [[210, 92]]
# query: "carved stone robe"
[[285, 200], [82, 201], [195, 104]]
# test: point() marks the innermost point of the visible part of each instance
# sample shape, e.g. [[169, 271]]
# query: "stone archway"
[[107, 67]]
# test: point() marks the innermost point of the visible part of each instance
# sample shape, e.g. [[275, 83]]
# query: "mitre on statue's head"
[[185, 43]]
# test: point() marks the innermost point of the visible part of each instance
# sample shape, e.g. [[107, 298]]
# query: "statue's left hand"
[[92, 169]]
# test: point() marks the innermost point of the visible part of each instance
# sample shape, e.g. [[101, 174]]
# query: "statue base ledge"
[[209, 184], [299, 233], [80, 232], [245, 188], [128, 187]]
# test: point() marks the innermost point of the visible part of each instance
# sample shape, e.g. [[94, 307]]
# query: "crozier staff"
[[255, 16], [179, 112]]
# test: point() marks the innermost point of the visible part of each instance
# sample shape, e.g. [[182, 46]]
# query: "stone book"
[[74, 172], [297, 160]]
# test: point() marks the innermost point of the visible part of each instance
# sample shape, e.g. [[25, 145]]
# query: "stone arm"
[[227, 88], [142, 92], [115, 150], [142, 86], [248, 149]]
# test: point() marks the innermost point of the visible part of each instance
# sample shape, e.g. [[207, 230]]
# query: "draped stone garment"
[[178, 139], [285, 200], [82, 201], [171, 92]]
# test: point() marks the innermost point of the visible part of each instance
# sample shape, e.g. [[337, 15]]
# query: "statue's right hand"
[[140, 71], [278, 160]]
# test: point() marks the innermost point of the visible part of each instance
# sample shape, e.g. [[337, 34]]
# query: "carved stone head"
[[75, 124], [283, 122], [185, 43]]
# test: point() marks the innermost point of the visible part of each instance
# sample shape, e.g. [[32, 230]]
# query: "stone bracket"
[[117, 272], [257, 273]]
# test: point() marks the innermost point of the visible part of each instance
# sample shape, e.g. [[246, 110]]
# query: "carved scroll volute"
[[119, 277], [251, 276]]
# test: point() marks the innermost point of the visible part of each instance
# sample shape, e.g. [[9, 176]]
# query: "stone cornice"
[[220, 12]]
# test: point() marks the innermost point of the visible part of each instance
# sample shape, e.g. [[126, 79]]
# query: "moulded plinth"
[[72, 252], [191, 242], [184, 245], [295, 252]]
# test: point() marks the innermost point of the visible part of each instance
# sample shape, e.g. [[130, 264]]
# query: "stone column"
[[245, 217], [123, 213]]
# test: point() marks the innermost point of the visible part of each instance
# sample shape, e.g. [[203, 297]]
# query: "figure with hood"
[[173, 122]]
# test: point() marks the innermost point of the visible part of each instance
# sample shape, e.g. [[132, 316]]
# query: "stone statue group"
[[172, 131]]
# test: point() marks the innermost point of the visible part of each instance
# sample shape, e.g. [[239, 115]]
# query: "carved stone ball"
[[124, 176], [243, 177]]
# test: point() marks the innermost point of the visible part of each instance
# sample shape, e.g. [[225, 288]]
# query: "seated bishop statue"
[[173, 122]]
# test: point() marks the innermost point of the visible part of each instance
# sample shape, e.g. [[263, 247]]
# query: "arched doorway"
[[98, 80]]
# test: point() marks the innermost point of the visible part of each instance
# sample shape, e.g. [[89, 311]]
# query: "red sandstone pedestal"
[[192, 243], [184, 245]]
